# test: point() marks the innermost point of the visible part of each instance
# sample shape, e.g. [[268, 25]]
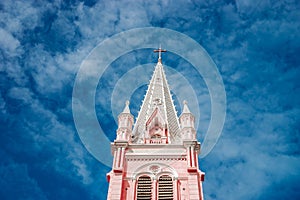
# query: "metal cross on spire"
[[159, 50]]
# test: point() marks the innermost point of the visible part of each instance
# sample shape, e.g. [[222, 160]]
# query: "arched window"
[[165, 188], [144, 188]]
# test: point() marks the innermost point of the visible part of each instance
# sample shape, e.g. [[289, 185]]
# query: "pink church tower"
[[157, 158]]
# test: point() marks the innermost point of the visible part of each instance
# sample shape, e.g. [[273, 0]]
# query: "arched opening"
[[165, 188], [144, 188]]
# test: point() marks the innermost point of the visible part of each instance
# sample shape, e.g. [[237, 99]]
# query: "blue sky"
[[255, 45]]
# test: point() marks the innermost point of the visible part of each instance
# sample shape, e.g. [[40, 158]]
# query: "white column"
[[118, 157], [192, 156], [115, 159], [134, 189], [122, 157], [196, 159], [175, 189], [189, 156], [154, 189]]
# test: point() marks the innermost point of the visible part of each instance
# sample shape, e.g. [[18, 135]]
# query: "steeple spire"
[[157, 111]]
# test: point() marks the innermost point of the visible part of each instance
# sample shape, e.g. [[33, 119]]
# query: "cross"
[[159, 50]]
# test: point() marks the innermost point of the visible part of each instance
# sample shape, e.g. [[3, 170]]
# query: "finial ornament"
[[159, 50], [126, 109], [185, 107]]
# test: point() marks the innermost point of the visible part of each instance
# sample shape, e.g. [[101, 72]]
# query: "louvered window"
[[144, 188], [165, 188]]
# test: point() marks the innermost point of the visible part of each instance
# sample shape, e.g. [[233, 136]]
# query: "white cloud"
[[9, 44], [23, 94], [257, 56]]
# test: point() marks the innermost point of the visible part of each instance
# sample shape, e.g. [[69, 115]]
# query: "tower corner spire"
[[187, 122], [125, 123]]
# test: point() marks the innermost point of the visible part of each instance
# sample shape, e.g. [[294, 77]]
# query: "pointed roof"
[[126, 108], [185, 107], [158, 96]]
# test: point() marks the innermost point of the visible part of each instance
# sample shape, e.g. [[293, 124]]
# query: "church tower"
[[157, 157]]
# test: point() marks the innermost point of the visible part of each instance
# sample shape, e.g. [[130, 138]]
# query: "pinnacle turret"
[[187, 122], [125, 123]]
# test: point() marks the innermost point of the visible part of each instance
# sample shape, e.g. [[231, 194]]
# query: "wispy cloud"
[[255, 46]]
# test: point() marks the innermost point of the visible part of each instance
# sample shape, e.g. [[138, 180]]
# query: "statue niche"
[[156, 129]]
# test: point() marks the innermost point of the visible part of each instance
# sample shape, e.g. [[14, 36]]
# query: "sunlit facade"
[[156, 157]]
